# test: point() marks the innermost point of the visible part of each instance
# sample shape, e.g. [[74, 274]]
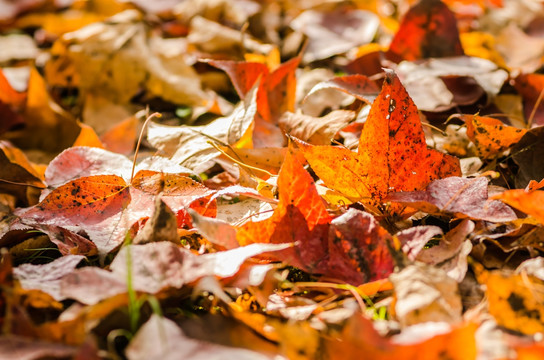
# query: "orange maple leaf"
[[392, 154]]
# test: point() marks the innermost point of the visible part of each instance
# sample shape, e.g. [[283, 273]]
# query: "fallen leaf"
[[68, 242], [85, 200], [358, 251], [275, 95], [441, 84], [300, 217], [161, 338], [460, 196], [425, 293], [491, 136], [18, 347], [225, 130], [154, 267], [46, 277], [87, 137], [429, 29], [334, 31], [528, 202], [121, 138], [359, 86], [530, 87], [386, 160], [360, 337], [451, 252], [513, 301], [44, 116], [134, 59], [162, 226], [17, 173], [519, 50], [527, 154], [316, 131], [78, 162]]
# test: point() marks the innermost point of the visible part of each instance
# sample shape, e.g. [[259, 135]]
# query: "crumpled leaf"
[[333, 32], [425, 293], [461, 196], [161, 338], [356, 85], [491, 136], [386, 160], [451, 252], [316, 131], [170, 141], [429, 29]]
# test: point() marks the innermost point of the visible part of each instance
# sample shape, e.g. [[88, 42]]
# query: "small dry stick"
[[140, 141]]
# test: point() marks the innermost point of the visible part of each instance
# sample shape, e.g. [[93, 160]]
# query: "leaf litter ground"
[[326, 181]]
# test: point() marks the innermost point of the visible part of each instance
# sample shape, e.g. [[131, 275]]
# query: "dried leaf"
[[527, 154], [162, 338], [512, 301], [425, 293], [225, 130], [491, 136], [528, 202], [316, 131], [300, 217], [86, 200], [460, 196], [333, 32], [429, 29], [359, 86], [47, 277], [392, 154], [358, 251]]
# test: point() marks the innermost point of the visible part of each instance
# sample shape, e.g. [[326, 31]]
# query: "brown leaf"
[[528, 154], [460, 196], [425, 293], [316, 131], [162, 226]]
